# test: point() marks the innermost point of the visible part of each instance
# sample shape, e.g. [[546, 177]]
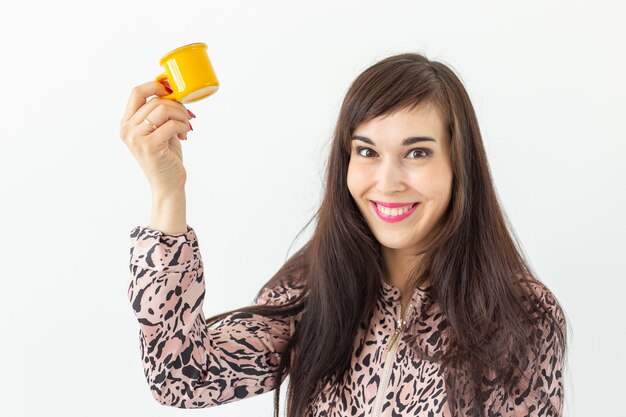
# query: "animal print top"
[[188, 364]]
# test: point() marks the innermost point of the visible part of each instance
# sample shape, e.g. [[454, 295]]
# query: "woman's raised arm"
[[188, 364]]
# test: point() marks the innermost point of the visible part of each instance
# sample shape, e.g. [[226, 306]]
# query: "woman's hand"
[[158, 151]]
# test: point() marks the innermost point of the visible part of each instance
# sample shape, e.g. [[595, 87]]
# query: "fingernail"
[[190, 127], [191, 114]]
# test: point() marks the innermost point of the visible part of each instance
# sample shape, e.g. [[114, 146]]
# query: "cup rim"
[[190, 45]]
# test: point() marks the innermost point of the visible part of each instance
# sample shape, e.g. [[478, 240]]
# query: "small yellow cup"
[[189, 73]]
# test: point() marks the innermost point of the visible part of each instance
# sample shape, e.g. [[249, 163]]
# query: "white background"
[[546, 80]]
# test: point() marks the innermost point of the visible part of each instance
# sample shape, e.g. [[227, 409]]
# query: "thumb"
[[164, 87]]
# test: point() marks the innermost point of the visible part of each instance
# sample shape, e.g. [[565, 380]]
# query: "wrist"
[[169, 213], [163, 197]]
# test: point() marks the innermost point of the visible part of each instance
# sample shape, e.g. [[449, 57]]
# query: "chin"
[[397, 244]]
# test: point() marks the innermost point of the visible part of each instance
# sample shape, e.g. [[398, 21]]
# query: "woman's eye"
[[423, 153], [359, 149]]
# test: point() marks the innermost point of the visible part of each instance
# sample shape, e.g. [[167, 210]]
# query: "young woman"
[[412, 298]]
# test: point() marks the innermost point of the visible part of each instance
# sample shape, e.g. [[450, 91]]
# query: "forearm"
[[169, 212]]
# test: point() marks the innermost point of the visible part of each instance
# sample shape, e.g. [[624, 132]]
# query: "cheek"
[[355, 181], [433, 183]]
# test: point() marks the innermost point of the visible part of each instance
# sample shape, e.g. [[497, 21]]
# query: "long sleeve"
[[188, 364]]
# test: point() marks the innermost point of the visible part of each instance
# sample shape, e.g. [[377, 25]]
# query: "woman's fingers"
[[138, 97], [169, 129], [142, 119], [159, 110]]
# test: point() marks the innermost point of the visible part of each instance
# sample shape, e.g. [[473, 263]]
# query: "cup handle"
[[161, 78]]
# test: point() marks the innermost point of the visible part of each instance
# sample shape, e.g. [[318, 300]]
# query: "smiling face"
[[401, 158]]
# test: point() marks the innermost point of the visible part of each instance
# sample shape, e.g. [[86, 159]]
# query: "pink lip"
[[392, 205], [393, 219]]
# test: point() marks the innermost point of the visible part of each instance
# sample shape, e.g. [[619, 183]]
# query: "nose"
[[390, 178]]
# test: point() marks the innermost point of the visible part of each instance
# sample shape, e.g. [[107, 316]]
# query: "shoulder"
[[546, 300], [546, 313], [279, 292]]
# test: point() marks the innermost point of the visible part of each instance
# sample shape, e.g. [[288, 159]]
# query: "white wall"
[[546, 79]]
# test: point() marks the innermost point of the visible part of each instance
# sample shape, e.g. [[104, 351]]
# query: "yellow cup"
[[189, 73]]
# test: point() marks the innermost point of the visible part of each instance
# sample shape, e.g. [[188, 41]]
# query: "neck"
[[397, 267]]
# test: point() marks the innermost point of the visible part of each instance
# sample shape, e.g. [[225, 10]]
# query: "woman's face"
[[385, 170]]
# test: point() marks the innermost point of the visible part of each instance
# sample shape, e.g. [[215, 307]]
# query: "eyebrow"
[[405, 142]]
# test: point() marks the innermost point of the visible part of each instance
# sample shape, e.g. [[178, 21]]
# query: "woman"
[[426, 309]]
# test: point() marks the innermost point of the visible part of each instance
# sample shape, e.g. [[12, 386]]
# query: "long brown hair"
[[479, 276]]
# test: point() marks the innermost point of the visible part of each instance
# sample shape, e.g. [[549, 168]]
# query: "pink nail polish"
[[191, 114]]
